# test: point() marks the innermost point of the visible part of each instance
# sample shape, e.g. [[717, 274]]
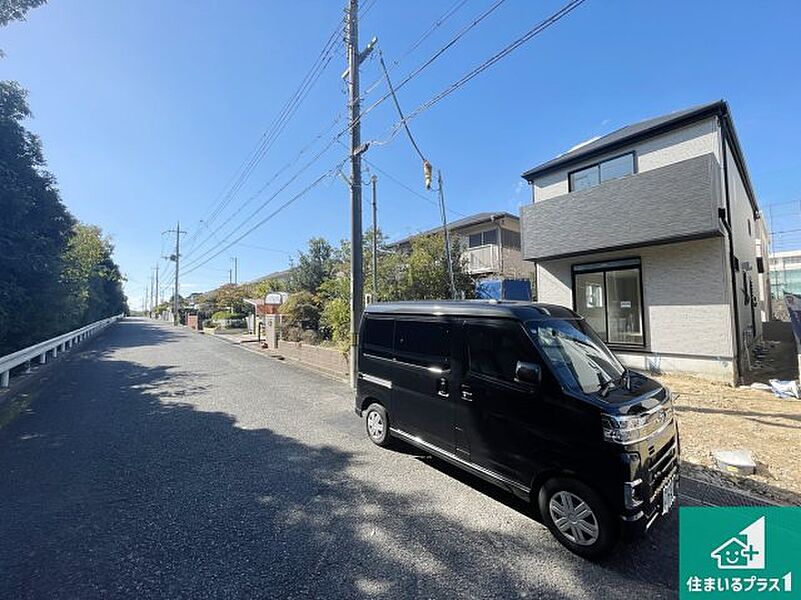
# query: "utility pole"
[[355, 58], [447, 234], [236, 269], [157, 284], [373, 181], [177, 258]]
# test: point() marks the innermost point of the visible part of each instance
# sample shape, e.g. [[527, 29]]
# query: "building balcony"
[[482, 259], [676, 202]]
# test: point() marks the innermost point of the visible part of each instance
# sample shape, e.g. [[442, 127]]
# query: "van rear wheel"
[[377, 423], [577, 517]]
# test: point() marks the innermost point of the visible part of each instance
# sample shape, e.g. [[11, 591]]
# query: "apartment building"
[[653, 233]]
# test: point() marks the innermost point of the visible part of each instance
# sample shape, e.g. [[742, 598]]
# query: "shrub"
[[301, 310], [208, 324], [225, 315]]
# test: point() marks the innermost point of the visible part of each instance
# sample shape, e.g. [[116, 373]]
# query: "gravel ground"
[[714, 416], [156, 462]]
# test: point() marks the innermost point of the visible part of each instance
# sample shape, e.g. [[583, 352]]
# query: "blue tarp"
[[504, 289]]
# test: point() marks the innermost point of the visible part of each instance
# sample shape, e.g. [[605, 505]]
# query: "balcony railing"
[[482, 259]]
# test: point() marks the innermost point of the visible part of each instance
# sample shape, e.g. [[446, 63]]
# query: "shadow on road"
[[123, 488]]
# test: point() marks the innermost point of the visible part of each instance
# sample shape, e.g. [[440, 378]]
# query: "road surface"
[[156, 462]]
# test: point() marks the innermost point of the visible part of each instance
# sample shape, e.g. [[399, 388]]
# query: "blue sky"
[[147, 108]]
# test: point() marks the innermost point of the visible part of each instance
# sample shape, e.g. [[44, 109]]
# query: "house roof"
[[625, 136], [477, 219], [630, 134]]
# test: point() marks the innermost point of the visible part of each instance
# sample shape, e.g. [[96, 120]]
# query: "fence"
[[52, 346]]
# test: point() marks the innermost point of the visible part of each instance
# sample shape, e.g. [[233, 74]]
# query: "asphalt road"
[[155, 462]]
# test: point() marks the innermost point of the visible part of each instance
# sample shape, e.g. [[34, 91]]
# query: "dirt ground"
[[715, 416]]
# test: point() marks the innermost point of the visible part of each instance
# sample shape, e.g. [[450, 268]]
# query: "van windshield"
[[578, 356]]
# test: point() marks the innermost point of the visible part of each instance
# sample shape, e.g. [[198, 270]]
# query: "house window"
[[482, 238], [609, 296], [614, 168]]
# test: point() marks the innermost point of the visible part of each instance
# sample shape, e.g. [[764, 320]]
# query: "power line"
[[276, 127], [408, 78], [293, 199], [416, 44], [537, 29]]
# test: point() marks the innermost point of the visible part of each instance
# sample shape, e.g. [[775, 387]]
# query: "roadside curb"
[[278, 357]]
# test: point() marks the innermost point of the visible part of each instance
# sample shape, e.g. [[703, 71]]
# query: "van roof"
[[523, 311]]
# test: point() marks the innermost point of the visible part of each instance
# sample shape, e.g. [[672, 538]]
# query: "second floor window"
[[482, 238], [614, 168]]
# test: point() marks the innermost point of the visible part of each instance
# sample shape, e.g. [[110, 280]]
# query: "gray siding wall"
[[678, 200], [685, 295], [745, 249], [672, 147]]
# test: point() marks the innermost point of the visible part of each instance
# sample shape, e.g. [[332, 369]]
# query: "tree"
[[314, 266], [56, 274], [422, 274], [35, 232], [15, 10]]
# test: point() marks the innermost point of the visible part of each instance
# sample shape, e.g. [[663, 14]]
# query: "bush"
[[208, 324], [225, 315], [335, 321], [301, 310], [309, 337]]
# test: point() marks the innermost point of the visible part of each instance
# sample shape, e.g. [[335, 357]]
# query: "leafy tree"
[[335, 316], [15, 10], [232, 296], [302, 311], [313, 267], [35, 232], [261, 288], [92, 280]]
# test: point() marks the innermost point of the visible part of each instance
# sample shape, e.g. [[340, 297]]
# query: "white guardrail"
[[52, 346]]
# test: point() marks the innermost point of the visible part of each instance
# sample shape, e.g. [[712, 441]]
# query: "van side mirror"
[[528, 372]]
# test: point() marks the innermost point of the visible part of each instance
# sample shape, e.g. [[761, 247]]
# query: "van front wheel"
[[377, 423], [577, 517]]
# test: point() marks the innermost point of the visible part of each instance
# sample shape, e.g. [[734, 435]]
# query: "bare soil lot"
[[714, 416]]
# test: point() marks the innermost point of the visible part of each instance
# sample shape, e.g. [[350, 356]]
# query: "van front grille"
[[661, 464]]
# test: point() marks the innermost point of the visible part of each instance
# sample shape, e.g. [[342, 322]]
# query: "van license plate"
[[669, 495]]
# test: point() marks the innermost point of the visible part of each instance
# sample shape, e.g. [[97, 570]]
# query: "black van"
[[527, 397]]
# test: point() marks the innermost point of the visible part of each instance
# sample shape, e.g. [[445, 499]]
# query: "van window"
[[493, 350], [423, 343], [378, 337]]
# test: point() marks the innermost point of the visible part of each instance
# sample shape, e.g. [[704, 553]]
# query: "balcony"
[[482, 259], [675, 202]]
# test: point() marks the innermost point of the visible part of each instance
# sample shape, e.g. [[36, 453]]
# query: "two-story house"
[[490, 244], [653, 233]]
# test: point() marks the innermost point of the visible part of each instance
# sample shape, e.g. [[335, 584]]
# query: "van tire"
[[561, 492], [376, 422]]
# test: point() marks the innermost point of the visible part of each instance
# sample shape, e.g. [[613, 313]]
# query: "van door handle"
[[467, 393], [442, 388]]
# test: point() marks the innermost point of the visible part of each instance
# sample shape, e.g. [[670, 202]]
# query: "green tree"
[[335, 315], [313, 267], [15, 10], [35, 232], [422, 274], [301, 312]]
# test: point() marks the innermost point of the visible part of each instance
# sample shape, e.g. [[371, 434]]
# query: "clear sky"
[[147, 108]]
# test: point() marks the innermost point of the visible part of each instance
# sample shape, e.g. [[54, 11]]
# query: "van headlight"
[[625, 429]]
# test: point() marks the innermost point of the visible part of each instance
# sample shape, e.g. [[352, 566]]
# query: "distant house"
[[653, 233], [490, 244], [785, 273]]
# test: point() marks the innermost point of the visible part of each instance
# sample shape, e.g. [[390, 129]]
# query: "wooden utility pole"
[[355, 58]]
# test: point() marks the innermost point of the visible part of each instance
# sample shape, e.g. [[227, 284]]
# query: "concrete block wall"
[[330, 360]]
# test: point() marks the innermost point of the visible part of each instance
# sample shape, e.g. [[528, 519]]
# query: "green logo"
[[739, 552]]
